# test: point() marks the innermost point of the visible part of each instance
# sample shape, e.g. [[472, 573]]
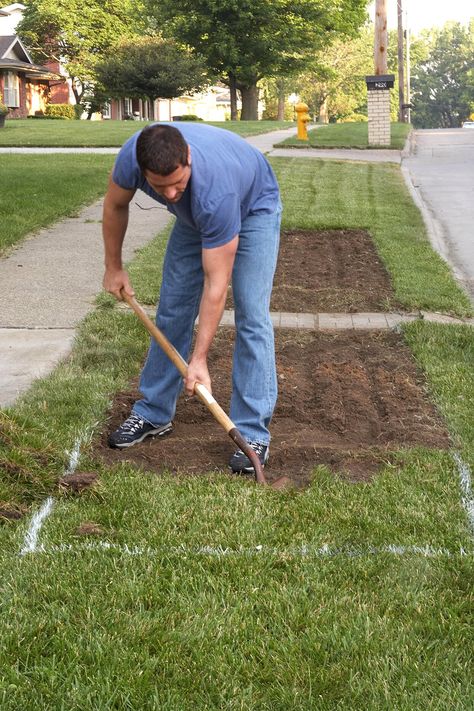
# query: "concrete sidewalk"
[[50, 282], [366, 155]]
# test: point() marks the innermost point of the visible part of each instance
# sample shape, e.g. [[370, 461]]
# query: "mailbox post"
[[378, 108]]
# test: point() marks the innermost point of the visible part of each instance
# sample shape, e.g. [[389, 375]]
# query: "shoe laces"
[[257, 447], [132, 424]]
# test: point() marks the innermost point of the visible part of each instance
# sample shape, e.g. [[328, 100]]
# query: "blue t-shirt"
[[230, 180]]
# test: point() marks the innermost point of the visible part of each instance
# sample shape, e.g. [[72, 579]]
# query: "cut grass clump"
[[38, 190], [347, 135]]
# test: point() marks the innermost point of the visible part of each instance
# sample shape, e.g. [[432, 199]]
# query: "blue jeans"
[[254, 382]]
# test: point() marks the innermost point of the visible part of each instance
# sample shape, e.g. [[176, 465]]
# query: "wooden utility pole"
[[401, 79], [380, 83], [381, 37]]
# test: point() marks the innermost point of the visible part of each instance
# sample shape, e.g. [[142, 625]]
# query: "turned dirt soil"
[[328, 272], [346, 401]]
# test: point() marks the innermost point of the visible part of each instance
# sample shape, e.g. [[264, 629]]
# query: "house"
[[24, 86], [210, 105]]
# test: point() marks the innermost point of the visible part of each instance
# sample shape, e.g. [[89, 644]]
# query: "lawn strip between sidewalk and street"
[[38, 190], [324, 194], [346, 135], [81, 134]]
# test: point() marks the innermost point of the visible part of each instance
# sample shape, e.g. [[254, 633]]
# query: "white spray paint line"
[[30, 542], [465, 479], [304, 551]]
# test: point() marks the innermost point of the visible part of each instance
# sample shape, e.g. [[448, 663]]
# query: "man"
[[226, 201]]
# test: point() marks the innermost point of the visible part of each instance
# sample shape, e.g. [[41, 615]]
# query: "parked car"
[[468, 124]]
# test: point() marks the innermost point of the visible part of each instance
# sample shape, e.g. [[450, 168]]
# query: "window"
[[11, 90], [107, 110]]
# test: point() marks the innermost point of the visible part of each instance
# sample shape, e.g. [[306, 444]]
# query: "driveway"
[[441, 169]]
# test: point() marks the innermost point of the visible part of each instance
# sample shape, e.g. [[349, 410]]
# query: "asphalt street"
[[441, 170]]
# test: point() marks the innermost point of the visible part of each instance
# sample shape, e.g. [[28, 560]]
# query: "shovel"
[[201, 391]]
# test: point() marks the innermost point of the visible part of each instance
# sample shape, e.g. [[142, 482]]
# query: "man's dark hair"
[[161, 149]]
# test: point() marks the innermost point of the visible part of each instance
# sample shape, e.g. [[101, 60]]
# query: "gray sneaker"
[[134, 430], [239, 462]]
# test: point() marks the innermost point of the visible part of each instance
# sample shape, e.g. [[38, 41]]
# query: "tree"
[[150, 68], [442, 82], [275, 91], [77, 33], [244, 41], [334, 87]]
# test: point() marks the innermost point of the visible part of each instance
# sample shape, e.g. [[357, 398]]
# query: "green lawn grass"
[[347, 135], [36, 190], [47, 132]]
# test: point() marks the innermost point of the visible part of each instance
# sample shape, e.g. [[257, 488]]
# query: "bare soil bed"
[[346, 401], [330, 271]]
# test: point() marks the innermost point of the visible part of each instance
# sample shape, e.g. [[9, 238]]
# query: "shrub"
[[60, 111], [189, 117], [3, 108]]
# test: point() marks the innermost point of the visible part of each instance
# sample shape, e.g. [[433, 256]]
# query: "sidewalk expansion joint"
[[340, 321]]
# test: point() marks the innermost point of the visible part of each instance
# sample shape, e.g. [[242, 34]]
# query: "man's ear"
[[189, 155]]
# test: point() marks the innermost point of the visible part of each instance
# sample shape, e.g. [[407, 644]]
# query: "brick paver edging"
[[340, 321]]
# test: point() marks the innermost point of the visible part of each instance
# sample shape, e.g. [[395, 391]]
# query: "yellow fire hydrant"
[[302, 119]]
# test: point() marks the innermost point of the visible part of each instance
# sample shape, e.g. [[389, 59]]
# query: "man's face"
[[171, 187]]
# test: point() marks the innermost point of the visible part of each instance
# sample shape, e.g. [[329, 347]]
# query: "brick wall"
[[378, 105]]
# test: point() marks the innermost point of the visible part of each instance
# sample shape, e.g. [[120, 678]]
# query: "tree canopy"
[[246, 40], [77, 33], [150, 68], [334, 86], [443, 80]]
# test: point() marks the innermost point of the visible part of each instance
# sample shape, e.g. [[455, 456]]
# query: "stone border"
[[341, 321]]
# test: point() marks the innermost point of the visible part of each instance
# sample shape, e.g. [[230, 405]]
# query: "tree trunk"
[[249, 102], [323, 112], [281, 105], [233, 96], [151, 108]]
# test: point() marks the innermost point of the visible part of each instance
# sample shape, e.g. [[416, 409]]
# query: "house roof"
[[13, 43], [22, 61], [35, 71]]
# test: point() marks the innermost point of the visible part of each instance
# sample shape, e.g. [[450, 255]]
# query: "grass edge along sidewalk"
[[346, 135]]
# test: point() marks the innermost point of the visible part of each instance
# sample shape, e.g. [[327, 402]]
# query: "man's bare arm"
[[114, 227], [217, 264]]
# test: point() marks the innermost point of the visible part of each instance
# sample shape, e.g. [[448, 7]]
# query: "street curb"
[[410, 145]]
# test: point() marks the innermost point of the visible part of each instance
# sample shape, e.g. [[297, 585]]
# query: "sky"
[[423, 14]]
